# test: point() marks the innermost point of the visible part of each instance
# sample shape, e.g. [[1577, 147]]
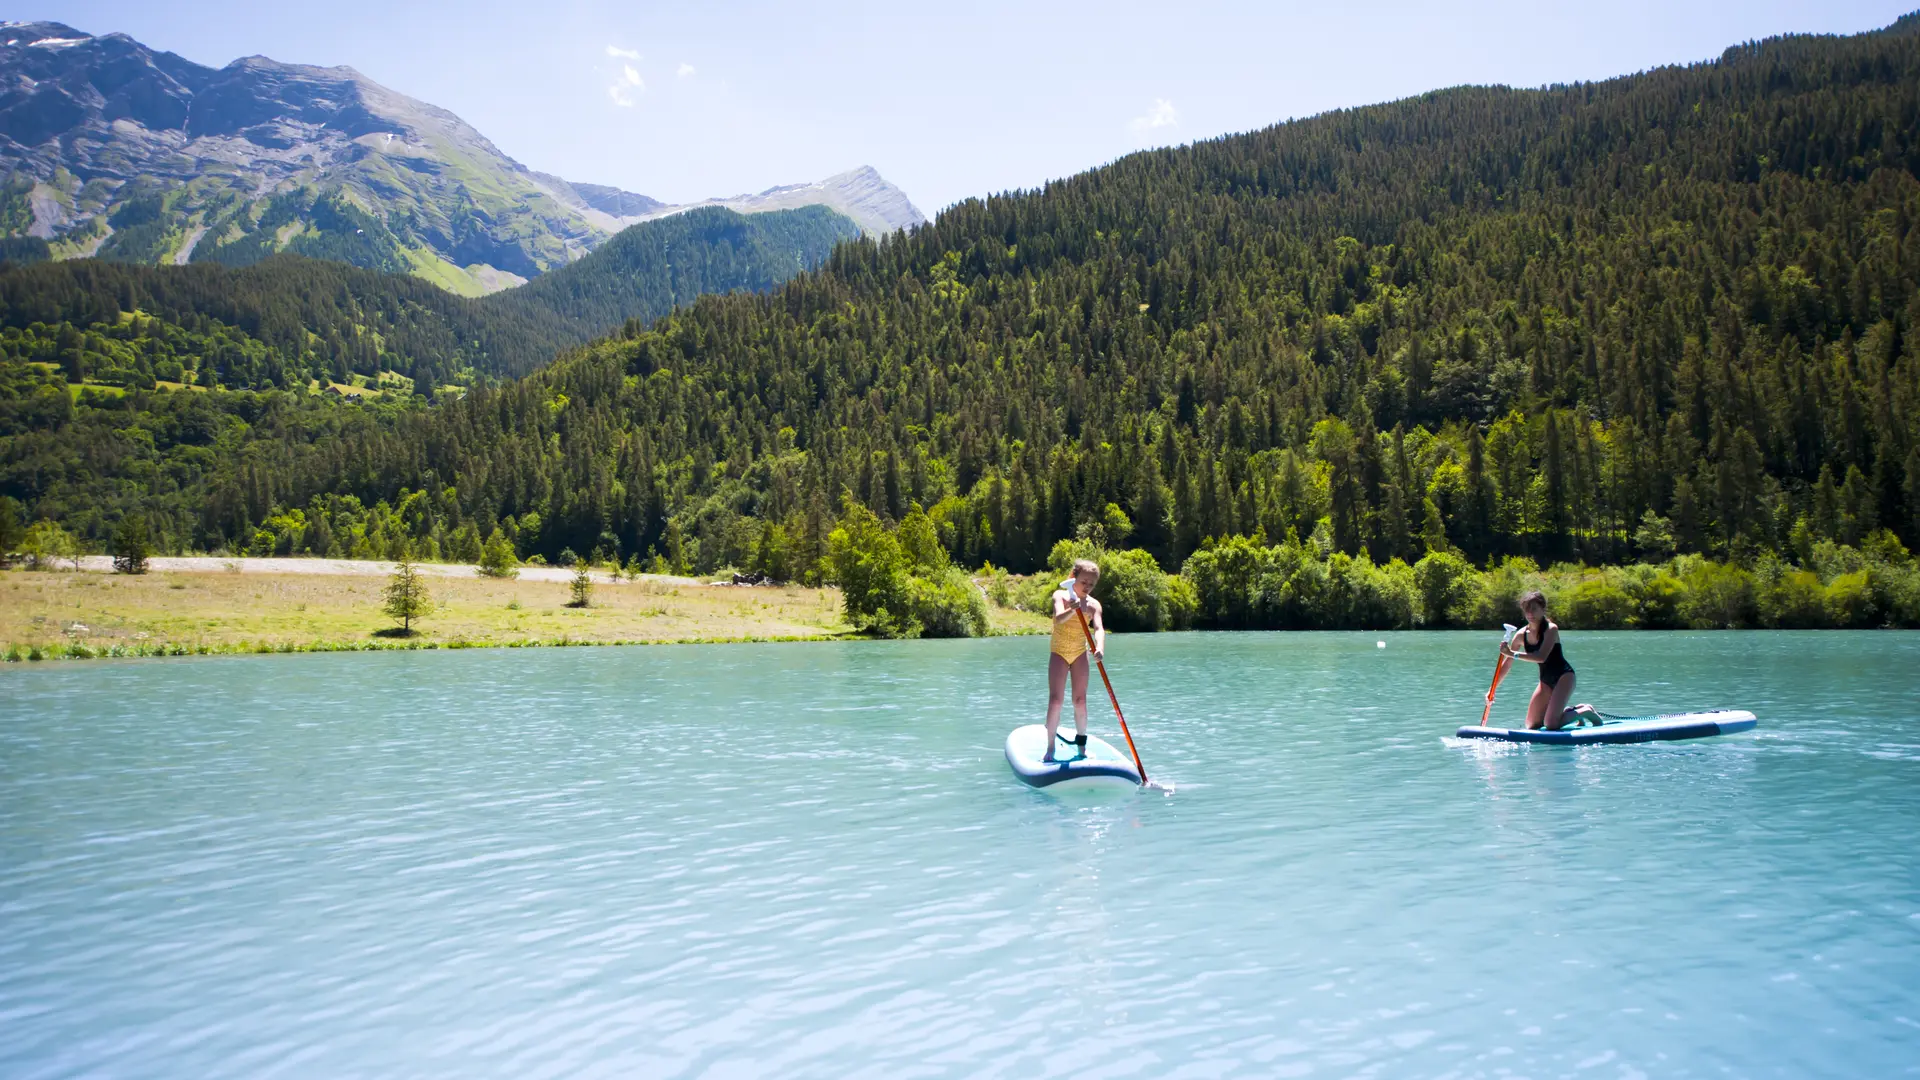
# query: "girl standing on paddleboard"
[[1539, 643], [1073, 599]]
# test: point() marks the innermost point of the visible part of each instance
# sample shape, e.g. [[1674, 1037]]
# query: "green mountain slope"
[[289, 320], [1672, 311], [650, 269]]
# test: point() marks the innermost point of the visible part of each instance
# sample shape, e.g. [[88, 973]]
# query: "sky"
[[691, 100]]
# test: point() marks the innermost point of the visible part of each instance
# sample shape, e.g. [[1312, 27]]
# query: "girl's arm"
[[1538, 656], [1062, 604], [1099, 630]]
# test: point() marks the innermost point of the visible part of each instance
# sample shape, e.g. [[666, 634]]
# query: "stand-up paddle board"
[[1099, 763], [1627, 729]]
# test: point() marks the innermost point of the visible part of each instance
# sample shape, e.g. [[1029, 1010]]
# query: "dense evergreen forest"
[[1669, 314], [283, 320]]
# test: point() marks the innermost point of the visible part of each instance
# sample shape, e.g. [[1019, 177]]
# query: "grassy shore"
[[54, 615]]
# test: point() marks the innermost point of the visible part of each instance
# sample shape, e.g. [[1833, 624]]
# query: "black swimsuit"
[[1554, 666]]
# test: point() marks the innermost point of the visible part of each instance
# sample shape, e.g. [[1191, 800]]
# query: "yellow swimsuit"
[[1069, 641]]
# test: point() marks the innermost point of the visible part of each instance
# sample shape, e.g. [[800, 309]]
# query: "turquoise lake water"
[[811, 860]]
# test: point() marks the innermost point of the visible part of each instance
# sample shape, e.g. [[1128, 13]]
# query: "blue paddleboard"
[[1627, 729], [1098, 764]]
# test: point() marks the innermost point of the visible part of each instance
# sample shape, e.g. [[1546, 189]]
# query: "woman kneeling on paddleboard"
[[1539, 644], [1073, 599]]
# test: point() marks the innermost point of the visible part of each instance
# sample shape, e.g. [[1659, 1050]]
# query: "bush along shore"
[[1243, 583]]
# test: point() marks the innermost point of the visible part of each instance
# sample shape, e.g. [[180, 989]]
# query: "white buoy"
[[1379, 644]]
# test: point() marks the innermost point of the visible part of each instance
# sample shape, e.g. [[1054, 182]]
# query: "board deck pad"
[[1099, 763], [1627, 729]]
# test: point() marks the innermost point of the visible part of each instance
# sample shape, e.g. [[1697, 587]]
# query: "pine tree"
[[580, 588], [407, 597], [132, 545], [496, 557]]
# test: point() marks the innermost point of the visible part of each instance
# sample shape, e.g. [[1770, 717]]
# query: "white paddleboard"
[[1098, 764]]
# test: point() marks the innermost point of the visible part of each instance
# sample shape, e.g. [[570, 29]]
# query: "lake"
[[811, 860]]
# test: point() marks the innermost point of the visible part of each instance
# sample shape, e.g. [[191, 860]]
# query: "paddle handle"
[[1111, 696], [1499, 670]]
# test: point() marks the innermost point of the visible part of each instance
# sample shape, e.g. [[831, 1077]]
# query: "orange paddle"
[[1500, 667], [1085, 629]]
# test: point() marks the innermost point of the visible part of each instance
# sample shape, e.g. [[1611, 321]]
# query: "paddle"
[[1102, 664], [1500, 667]]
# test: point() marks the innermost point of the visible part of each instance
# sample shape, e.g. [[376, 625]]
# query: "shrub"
[[1136, 595], [1293, 590], [1000, 586], [1795, 600], [1850, 601], [1445, 584], [947, 604], [1596, 603], [1226, 579], [47, 544], [1831, 560], [1501, 589], [1719, 597], [1369, 597], [580, 589], [871, 569], [1897, 590], [1657, 599]]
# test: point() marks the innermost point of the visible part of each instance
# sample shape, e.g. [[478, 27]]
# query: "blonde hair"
[[1081, 566]]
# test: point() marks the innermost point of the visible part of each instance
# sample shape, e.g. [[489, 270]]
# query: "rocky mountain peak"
[[235, 163]]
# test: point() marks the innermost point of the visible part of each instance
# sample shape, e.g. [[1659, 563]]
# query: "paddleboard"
[[1628, 729], [1098, 764]]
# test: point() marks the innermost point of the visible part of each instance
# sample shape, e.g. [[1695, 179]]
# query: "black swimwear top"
[[1554, 666]]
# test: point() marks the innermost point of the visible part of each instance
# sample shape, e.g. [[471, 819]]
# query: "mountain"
[[127, 153], [1675, 312], [287, 320], [861, 194]]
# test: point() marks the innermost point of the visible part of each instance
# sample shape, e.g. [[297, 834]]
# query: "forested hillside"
[[1674, 312], [290, 320], [648, 270]]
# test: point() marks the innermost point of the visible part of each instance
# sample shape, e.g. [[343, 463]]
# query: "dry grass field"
[[54, 613]]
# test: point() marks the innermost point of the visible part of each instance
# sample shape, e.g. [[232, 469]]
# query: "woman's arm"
[[1099, 630], [1537, 656]]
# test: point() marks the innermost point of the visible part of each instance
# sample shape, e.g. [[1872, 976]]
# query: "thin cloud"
[[625, 86], [685, 71], [619, 53], [1161, 114]]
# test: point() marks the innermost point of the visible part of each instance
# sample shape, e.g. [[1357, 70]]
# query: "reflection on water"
[[810, 860]]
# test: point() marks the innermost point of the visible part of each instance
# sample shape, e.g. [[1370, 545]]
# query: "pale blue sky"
[[682, 101]]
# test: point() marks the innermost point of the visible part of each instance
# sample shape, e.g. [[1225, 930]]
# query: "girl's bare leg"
[[1056, 691], [1080, 673], [1556, 711], [1537, 706]]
